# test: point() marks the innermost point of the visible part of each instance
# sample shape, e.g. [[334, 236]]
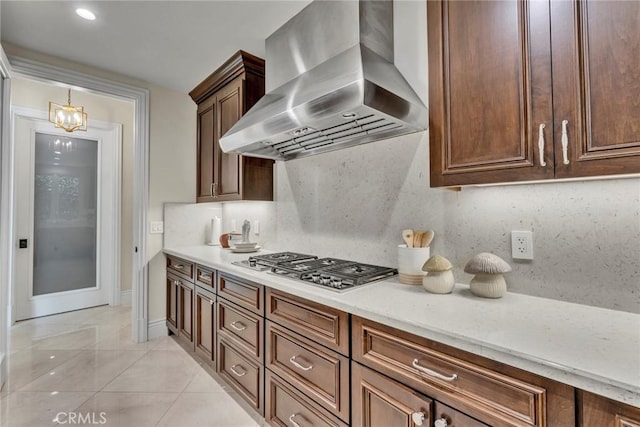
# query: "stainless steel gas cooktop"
[[337, 274]]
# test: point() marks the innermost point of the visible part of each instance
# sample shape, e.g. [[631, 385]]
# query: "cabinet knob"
[[565, 143], [440, 423], [541, 144], [418, 418]]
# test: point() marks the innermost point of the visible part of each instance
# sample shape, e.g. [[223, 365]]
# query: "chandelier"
[[67, 117]]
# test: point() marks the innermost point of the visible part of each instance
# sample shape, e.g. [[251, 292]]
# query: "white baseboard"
[[157, 328], [125, 297], [3, 370]]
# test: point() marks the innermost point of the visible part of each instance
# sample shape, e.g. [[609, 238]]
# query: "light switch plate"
[[156, 227]]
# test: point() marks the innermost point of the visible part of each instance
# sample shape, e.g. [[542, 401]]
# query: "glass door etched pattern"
[[65, 202]]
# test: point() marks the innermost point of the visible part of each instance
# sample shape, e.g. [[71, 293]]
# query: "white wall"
[[36, 95]]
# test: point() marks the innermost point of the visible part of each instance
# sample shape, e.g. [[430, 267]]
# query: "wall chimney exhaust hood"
[[335, 85]]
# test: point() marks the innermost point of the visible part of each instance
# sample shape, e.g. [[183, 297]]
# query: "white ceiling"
[[175, 44]]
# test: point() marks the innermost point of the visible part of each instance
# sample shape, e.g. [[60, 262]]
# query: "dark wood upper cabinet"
[[504, 75], [596, 86], [222, 99]]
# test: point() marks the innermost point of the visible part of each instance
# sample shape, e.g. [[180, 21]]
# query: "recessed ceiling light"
[[86, 14]]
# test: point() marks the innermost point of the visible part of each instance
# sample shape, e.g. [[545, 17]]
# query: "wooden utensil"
[[417, 238], [407, 236], [426, 238]]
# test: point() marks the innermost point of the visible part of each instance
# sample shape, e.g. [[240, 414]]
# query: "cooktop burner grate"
[[333, 273]]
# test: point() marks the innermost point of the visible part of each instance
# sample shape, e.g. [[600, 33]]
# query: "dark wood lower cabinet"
[[311, 365], [172, 303], [596, 411], [185, 310], [378, 401], [319, 373], [453, 418], [244, 374], [205, 325], [286, 406]]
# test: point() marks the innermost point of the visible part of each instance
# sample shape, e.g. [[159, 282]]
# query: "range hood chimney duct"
[[331, 84]]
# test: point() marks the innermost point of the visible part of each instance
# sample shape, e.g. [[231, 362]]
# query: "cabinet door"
[[380, 401], [596, 411], [489, 91], [452, 417], [229, 166], [204, 338], [172, 304], [185, 311], [596, 86], [207, 144]]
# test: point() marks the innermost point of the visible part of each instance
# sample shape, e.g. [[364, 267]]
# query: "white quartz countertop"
[[591, 348]]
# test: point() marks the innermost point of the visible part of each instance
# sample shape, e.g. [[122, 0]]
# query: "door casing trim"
[[52, 74]]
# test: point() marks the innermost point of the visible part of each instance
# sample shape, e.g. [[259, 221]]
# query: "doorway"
[[67, 214]]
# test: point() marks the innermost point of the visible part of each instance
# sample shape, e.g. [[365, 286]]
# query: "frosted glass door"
[[65, 223]]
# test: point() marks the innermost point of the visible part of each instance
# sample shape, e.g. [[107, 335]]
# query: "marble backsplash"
[[354, 203], [188, 224]]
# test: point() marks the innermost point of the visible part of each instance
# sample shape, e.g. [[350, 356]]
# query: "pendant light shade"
[[67, 117]]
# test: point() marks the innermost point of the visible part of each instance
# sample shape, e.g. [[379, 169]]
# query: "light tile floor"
[[83, 364]]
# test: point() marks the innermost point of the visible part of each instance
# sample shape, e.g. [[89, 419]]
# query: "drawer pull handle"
[[179, 267], [298, 365], [565, 143], [205, 276], [293, 421], [418, 418], [238, 326], [541, 144], [440, 423], [431, 373], [235, 371]]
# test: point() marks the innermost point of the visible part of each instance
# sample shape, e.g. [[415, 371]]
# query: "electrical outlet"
[[233, 225], [256, 227], [522, 245], [156, 227]]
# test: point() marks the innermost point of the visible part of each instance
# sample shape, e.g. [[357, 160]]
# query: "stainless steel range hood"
[[335, 85]]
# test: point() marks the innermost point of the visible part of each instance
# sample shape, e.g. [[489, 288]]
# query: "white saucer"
[[245, 250], [242, 245]]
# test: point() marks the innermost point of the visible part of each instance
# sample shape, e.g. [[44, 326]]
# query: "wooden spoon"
[[417, 238], [407, 236], [427, 238]]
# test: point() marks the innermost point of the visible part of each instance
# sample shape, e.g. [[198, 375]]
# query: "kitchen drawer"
[[244, 374], [286, 405], [241, 326], [379, 401], [454, 418], [180, 267], [474, 389], [319, 373], [325, 325], [205, 277], [244, 293]]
